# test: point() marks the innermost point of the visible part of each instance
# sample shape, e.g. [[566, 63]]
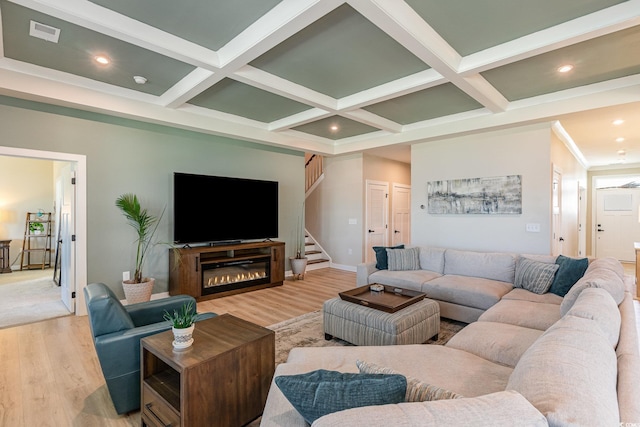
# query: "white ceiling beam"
[[612, 19], [403, 86], [373, 120], [279, 86], [188, 87], [283, 21], [58, 93], [405, 26], [300, 119]]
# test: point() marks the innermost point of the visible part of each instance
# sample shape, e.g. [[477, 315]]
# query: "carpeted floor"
[[306, 331], [30, 301]]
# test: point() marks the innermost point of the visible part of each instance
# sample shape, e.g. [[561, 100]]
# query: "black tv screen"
[[210, 209]]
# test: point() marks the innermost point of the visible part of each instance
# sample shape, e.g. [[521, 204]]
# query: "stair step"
[[317, 261], [312, 252]]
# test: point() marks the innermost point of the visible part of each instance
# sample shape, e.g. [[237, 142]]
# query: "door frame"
[[80, 211], [369, 182]]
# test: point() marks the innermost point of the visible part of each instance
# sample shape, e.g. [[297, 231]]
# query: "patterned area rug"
[[307, 331], [30, 301]]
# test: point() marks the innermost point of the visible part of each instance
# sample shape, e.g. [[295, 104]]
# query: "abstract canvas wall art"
[[492, 195]]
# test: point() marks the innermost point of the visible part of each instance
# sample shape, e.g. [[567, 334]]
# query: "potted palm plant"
[[139, 288], [182, 325]]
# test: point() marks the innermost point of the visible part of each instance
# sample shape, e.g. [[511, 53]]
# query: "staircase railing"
[[313, 170]]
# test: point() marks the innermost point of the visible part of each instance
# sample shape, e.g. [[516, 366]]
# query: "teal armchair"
[[117, 330]]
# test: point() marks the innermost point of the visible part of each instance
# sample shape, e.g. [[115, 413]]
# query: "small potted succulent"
[[182, 322]]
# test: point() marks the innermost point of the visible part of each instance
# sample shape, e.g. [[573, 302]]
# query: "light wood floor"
[[49, 371]]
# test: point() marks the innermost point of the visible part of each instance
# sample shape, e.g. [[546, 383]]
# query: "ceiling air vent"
[[44, 32]]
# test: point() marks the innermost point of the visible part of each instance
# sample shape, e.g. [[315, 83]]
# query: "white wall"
[[27, 185], [573, 176], [338, 198], [524, 151]]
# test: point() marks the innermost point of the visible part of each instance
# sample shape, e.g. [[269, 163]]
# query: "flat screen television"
[[214, 209]]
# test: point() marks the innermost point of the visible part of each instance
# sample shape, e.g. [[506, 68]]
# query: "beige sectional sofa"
[[524, 358]]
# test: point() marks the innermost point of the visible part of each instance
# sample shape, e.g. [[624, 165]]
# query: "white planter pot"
[[182, 338], [138, 292], [298, 267]]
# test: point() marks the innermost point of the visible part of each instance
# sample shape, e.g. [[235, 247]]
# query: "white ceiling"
[[388, 73]]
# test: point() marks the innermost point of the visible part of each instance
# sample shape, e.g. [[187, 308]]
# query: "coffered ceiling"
[[335, 77]]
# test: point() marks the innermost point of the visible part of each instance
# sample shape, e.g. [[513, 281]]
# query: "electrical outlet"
[[125, 276], [350, 251]]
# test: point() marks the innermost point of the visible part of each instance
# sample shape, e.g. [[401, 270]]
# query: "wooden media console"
[[207, 272]]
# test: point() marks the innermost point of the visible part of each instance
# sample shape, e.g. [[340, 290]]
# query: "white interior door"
[[66, 200], [401, 214], [617, 226], [377, 206]]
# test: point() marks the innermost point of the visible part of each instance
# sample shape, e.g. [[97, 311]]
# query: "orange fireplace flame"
[[230, 278]]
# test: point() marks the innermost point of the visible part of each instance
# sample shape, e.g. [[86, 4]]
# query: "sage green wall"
[[126, 156]]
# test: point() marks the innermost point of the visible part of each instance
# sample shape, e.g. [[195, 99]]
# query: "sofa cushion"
[[493, 266], [608, 263], [322, 392], [417, 391], [468, 291], [628, 389], [604, 278], [448, 368], [381, 255], [432, 259], [498, 342], [534, 276], [570, 375], [523, 313], [524, 295], [403, 259], [410, 279], [596, 304], [569, 272], [502, 409]]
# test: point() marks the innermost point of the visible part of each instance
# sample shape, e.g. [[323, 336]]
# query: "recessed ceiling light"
[[619, 139], [565, 68], [102, 59], [621, 152], [618, 122], [140, 80], [334, 128]]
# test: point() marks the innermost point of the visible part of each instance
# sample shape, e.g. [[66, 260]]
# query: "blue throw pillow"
[[570, 271], [381, 255], [322, 392]]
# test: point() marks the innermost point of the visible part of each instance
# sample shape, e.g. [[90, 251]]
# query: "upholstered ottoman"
[[361, 325]]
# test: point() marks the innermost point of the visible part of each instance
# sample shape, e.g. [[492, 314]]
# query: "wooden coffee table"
[[221, 380]]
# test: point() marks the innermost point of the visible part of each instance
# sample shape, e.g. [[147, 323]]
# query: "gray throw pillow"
[[534, 276], [381, 255], [323, 392], [403, 259]]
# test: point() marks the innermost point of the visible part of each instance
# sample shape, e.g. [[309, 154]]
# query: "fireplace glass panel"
[[221, 277]]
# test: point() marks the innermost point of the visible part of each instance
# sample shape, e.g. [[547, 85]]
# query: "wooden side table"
[[221, 380], [5, 261]]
